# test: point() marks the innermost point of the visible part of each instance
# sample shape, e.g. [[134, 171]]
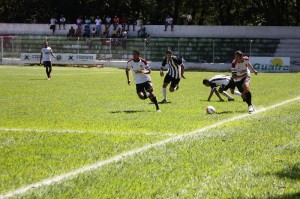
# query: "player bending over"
[[241, 76], [174, 74], [141, 71], [223, 82], [45, 56]]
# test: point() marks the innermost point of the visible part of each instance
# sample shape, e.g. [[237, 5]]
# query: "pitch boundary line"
[[124, 155]]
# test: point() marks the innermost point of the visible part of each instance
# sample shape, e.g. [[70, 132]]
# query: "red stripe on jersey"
[[233, 64], [246, 58], [144, 61], [129, 60]]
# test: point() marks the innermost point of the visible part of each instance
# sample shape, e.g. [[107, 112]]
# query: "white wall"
[[275, 32]]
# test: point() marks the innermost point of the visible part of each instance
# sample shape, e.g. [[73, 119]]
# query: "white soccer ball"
[[210, 110]]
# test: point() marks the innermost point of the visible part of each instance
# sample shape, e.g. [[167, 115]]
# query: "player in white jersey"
[[141, 73], [223, 82], [46, 54], [240, 70], [174, 74]]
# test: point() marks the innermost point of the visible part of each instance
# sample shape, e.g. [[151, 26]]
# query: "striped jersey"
[[174, 67], [240, 68], [136, 67], [219, 80], [46, 54]]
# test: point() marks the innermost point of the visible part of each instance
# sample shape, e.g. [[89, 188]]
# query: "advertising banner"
[[271, 64]]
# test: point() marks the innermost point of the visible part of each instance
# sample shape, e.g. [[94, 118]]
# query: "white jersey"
[[136, 67], [219, 80], [240, 68], [98, 22], [46, 53]]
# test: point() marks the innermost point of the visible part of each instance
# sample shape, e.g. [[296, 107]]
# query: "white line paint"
[[62, 131], [133, 152]]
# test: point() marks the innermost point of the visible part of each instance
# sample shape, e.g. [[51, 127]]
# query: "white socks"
[[164, 93], [237, 93], [226, 95]]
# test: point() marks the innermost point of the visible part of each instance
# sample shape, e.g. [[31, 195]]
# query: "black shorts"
[[174, 82], [47, 64], [141, 88], [230, 85], [239, 84]]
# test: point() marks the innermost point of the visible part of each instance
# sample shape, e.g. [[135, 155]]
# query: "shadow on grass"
[[40, 79], [129, 111], [230, 112], [293, 172], [286, 196]]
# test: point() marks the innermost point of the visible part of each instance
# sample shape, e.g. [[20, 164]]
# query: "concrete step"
[[289, 45], [286, 54], [288, 50], [290, 41]]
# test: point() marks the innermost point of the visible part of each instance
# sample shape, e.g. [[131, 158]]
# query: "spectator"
[[142, 32], [71, 32], [131, 21], [124, 39], [119, 33], [62, 21], [52, 24], [94, 32], [124, 23], [147, 40], [116, 22], [87, 22], [108, 21], [169, 21], [78, 32], [98, 22], [79, 22], [87, 32]]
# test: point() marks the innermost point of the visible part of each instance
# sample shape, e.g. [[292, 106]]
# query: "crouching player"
[[223, 82], [141, 71], [241, 76]]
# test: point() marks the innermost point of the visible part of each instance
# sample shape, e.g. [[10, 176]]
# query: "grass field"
[[85, 116]]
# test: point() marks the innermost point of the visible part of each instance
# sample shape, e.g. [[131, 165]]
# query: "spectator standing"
[[131, 21], [94, 32], [107, 21], [71, 32], [79, 22], [124, 23], [98, 22], [116, 22], [87, 22], [53, 22], [169, 21], [62, 21]]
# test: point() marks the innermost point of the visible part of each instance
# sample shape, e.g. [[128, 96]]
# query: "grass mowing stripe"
[[99, 164], [78, 131]]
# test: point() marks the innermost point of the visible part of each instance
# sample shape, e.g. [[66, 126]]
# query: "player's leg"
[[174, 85], [140, 90], [149, 88], [223, 89], [167, 81], [248, 95]]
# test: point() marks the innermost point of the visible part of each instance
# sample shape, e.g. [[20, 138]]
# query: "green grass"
[[86, 115]]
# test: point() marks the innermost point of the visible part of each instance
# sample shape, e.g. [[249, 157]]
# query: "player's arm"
[[147, 70], [217, 93], [41, 57], [162, 67], [182, 71], [52, 54], [249, 65], [127, 74]]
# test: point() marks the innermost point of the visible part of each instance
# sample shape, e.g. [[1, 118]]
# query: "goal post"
[[1, 50]]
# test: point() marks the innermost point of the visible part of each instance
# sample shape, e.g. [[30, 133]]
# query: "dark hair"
[[136, 52], [238, 52], [205, 81], [169, 52]]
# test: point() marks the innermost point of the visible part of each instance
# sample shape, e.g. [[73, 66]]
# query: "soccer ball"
[[210, 110]]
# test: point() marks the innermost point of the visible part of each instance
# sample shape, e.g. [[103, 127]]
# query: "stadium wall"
[[271, 32]]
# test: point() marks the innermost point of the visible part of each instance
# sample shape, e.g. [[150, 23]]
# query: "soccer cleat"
[[176, 87], [230, 99], [158, 110], [251, 108], [49, 78], [163, 101]]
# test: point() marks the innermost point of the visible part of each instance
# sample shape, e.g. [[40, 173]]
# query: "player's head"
[[46, 44], [206, 82], [169, 54], [238, 55], [136, 54]]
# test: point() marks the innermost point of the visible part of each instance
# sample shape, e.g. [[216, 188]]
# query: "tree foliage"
[[200, 12]]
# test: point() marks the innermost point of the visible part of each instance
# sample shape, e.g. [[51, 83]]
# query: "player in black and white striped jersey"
[[174, 74]]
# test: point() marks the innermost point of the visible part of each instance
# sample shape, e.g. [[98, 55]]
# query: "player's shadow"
[[161, 102], [38, 79], [230, 112], [128, 111]]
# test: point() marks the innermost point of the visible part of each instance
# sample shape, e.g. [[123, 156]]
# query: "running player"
[[223, 82], [174, 74], [141, 71], [45, 56], [241, 76]]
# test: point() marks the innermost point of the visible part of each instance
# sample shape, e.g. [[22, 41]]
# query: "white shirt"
[[53, 21], [46, 54], [219, 80], [136, 67], [240, 68], [98, 22], [108, 19], [62, 19]]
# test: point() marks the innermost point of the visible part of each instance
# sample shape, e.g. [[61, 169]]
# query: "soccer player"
[[141, 73], [46, 54], [223, 82], [241, 76], [174, 73]]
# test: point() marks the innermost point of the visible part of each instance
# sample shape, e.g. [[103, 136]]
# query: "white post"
[[78, 45], [250, 54]]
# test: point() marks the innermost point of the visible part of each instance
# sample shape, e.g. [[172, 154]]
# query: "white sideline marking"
[[124, 155], [62, 131]]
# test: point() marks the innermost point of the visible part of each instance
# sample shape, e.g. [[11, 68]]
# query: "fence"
[[209, 50]]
